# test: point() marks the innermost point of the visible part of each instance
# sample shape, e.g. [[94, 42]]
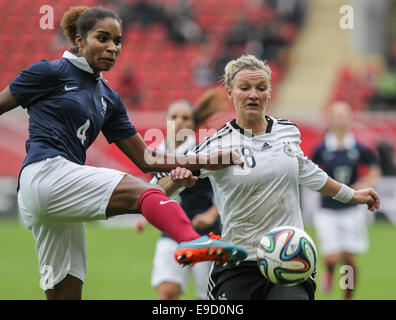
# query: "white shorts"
[[341, 230], [165, 268], [55, 197]]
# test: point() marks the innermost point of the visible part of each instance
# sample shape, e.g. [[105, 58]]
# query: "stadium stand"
[[181, 51], [161, 69], [154, 69], [164, 67]]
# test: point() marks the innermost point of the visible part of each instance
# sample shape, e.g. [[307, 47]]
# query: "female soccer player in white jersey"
[[263, 194], [68, 104]]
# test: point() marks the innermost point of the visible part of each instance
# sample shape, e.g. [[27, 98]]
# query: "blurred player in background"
[[341, 227], [168, 277], [264, 193], [68, 104]]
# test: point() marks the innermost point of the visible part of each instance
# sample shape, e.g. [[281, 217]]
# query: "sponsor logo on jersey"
[[266, 146], [70, 88]]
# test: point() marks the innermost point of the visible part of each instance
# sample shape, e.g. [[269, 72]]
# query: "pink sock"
[[166, 215]]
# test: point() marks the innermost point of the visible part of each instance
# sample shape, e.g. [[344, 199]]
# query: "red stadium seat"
[[165, 68]]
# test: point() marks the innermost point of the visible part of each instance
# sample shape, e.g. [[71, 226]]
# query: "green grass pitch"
[[119, 265]]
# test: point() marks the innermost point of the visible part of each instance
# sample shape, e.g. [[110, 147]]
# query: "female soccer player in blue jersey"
[[68, 104], [169, 278], [263, 194], [341, 227]]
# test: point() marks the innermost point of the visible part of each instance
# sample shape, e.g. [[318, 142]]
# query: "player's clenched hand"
[[140, 225], [223, 159], [183, 177], [203, 220], [367, 196]]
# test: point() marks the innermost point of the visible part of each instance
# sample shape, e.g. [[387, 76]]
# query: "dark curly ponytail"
[[80, 20]]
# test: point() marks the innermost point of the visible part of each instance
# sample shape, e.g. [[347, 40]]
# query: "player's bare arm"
[[148, 160], [140, 225], [7, 101], [369, 179], [206, 219], [366, 196], [179, 177]]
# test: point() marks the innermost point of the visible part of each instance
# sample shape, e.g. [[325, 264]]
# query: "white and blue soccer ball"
[[286, 256]]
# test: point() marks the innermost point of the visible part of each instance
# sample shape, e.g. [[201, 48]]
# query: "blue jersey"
[[342, 164], [197, 199], [67, 109]]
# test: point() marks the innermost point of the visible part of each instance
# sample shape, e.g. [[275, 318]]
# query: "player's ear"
[[79, 41], [229, 93]]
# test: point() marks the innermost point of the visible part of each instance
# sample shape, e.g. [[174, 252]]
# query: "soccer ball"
[[286, 256]]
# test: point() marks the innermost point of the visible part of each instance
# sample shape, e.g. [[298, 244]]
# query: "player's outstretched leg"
[[209, 248]]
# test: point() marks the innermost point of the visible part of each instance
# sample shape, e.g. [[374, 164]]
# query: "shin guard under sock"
[[166, 215]]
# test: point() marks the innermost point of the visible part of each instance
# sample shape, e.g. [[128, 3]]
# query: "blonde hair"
[[244, 62]]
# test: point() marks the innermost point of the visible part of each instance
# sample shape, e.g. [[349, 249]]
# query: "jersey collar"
[[270, 122], [81, 63], [332, 144]]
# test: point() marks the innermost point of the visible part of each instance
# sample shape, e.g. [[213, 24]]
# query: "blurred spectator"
[[274, 41], [269, 39], [392, 22], [384, 98], [129, 88], [263, 28], [229, 52], [138, 12], [221, 62], [386, 159], [178, 19], [291, 10], [391, 56], [119, 6], [242, 31], [182, 27], [202, 67], [59, 41], [370, 34], [145, 13], [187, 30]]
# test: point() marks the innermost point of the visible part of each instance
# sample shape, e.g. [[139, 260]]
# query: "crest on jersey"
[[289, 150]]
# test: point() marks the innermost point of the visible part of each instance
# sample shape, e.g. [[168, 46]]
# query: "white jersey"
[[264, 194]]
